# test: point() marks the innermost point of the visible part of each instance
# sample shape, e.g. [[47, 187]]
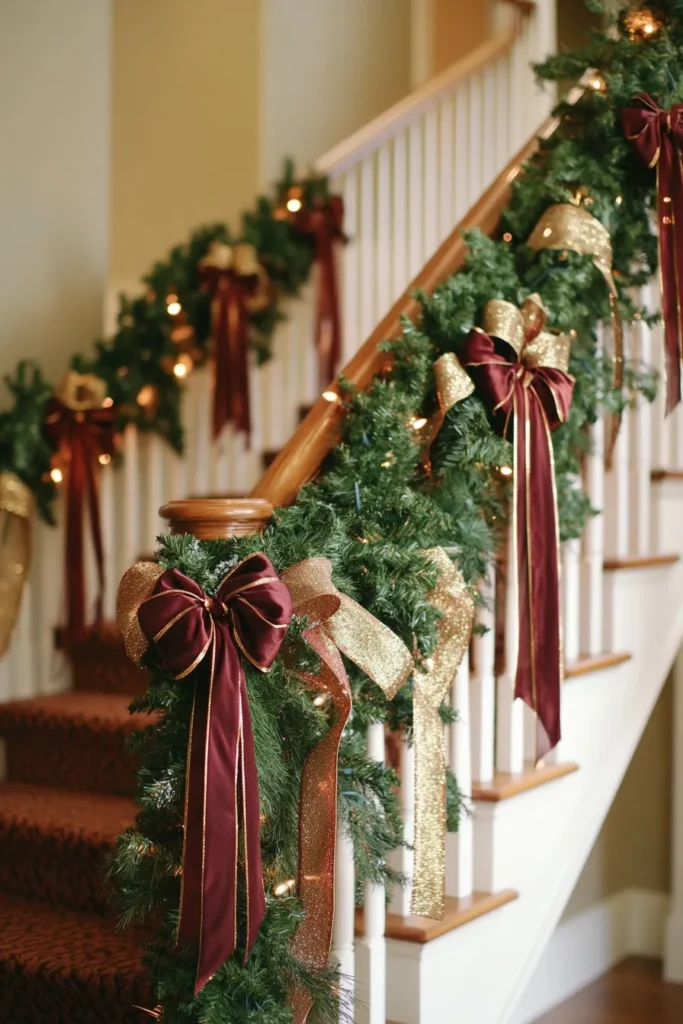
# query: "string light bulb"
[[597, 82], [507, 237], [418, 422], [183, 366], [506, 470], [330, 396], [282, 888], [173, 307], [146, 395], [56, 475], [107, 403], [642, 25], [294, 205], [104, 459]]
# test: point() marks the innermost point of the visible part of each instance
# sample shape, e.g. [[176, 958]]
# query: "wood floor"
[[633, 993]]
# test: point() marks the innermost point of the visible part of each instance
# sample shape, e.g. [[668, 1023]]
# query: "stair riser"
[[54, 870], [107, 670], [28, 997], [69, 758]]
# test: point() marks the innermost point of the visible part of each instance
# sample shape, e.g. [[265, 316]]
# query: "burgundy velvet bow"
[[657, 137], [535, 400], [192, 631], [81, 436], [230, 329], [324, 219]]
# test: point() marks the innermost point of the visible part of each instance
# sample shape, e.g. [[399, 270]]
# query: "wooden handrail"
[[386, 125], [301, 457]]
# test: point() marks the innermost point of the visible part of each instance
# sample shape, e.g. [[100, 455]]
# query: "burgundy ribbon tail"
[[84, 436], [328, 325], [199, 638], [657, 137], [230, 331], [535, 401]]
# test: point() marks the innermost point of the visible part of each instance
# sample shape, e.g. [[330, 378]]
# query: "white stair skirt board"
[[549, 832], [629, 923]]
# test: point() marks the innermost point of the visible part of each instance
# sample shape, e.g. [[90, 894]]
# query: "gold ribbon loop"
[[337, 624], [523, 330], [16, 510], [451, 597], [567, 226]]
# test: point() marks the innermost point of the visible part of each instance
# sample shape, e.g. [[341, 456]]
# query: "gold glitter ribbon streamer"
[[567, 226], [337, 624], [16, 509], [451, 597], [137, 584], [453, 384]]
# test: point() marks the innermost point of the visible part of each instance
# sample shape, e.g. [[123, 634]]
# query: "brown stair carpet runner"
[[67, 794]]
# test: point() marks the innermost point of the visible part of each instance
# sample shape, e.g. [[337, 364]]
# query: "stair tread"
[[99, 711], [640, 561], [586, 663], [65, 942], [506, 785], [91, 817], [457, 912]]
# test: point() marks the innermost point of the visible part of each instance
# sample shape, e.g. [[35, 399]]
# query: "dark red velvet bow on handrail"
[[81, 429], [195, 633], [519, 372], [230, 274], [323, 218], [657, 137]]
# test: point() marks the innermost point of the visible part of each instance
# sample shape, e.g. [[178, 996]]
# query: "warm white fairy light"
[[104, 459], [56, 475], [294, 205]]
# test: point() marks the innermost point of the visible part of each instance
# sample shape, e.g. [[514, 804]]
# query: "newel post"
[[217, 518]]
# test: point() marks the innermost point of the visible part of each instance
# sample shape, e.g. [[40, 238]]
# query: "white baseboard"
[[630, 923]]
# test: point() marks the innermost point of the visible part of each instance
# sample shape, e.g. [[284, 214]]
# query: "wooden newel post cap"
[[216, 518]]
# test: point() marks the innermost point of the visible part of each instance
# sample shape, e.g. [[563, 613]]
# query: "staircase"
[[445, 156], [68, 792]]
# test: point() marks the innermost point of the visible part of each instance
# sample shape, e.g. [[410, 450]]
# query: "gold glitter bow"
[[568, 226], [338, 625], [16, 509], [451, 597], [523, 329]]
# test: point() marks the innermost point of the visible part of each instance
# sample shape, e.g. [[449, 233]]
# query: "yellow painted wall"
[[328, 68], [633, 848], [458, 27], [185, 122], [54, 113]]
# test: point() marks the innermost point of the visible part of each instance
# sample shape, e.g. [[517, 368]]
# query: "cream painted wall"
[[633, 848], [185, 122], [54, 153], [328, 67]]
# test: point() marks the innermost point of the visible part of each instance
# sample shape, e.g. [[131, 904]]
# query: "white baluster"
[[462, 190], [399, 254], [475, 139], [342, 951], [483, 686], [620, 487], [368, 260], [446, 125], [488, 140], [402, 859], [643, 343], [383, 268], [571, 581], [351, 267], [108, 481], [153, 491], [431, 181], [503, 149], [371, 957], [416, 250], [460, 844], [510, 712], [594, 551]]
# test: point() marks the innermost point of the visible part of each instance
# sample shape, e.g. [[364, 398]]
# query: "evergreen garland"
[[373, 512], [142, 352]]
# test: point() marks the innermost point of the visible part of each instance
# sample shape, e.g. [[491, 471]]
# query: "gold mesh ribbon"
[[567, 226], [523, 329], [337, 625], [136, 585], [453, 384], [430, 687], [16, 510]]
